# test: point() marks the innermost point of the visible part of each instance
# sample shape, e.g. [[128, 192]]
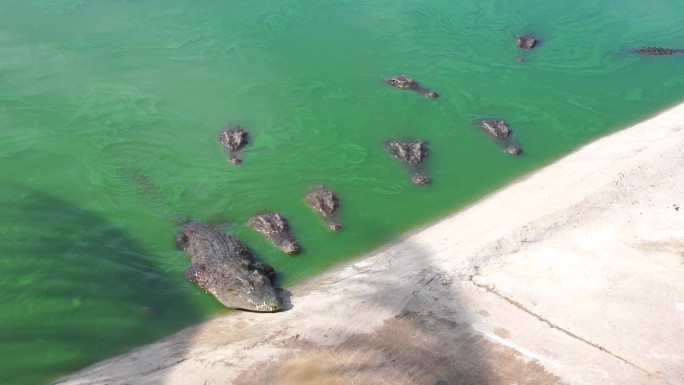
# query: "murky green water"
[[109, 112]]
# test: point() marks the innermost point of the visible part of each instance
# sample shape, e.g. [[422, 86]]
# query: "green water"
[[109, 112]]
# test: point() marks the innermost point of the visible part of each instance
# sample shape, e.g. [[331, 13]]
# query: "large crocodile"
[[325, 203], [657, 51], [412, 154], [406, 83], [275, 228], [225, 267], [499, 130], [233, 139]]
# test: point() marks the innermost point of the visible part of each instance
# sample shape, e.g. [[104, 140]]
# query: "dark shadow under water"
[[76, 289]]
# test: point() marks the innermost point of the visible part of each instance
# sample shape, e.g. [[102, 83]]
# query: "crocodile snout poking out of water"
[[656, 51], [275, 228], [225, 267], [526, 42], [325, 203], [499, 130], [413, 155], [233, 139], [406, 83], [420, 180]]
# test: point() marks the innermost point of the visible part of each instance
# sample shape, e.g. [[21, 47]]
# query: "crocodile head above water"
[[412, 154], [526, 41], [325, 202], [234, 139], [276, 229], [224, 267], [499, 130], [404, 82]]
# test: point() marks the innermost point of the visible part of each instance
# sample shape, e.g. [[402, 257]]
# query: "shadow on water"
[[431, 340], [75, 290]]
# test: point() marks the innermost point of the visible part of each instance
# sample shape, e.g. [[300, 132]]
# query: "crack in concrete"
[[556, 327]]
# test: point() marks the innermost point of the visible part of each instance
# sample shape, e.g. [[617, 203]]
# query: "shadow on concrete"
[[430, 340], [75, 289]]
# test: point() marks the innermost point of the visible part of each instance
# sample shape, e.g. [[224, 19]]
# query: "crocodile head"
[[288, 245], [255, 294], [512, 149], [275, 228], [251, 292], [325, 203]]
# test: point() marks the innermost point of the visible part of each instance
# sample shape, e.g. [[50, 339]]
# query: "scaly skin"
[[499, 130], [325, 203], [233, 139], [224, 267], [412, 154], [407, 152], [496, 128], [656, 51], [526, 42], [404, 82], [275, 228]]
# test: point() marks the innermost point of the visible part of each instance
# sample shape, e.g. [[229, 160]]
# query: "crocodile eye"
[[182, 241]]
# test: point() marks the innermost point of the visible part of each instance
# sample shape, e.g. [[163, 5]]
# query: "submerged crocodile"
[[406, 83], [325, 202], [526, 42], [224, 267], [275, 228], [233, 139], [657, 51], [499, 130], [413, 155]]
